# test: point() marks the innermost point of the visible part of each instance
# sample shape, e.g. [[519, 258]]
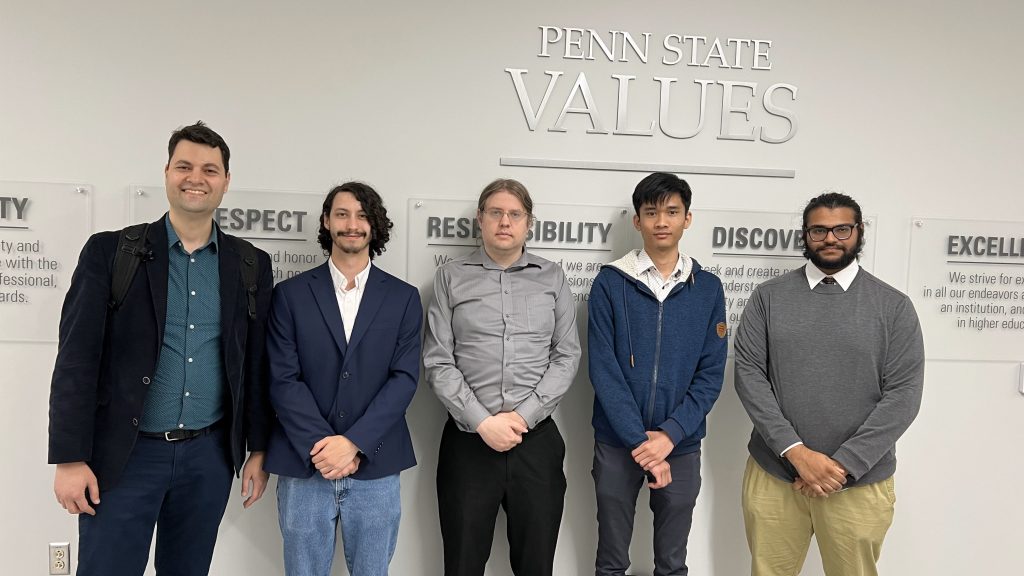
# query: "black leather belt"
[[176, 435]]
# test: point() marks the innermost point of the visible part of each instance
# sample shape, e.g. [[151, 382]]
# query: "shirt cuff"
[[790, 447], [530, 409], [473, 415]]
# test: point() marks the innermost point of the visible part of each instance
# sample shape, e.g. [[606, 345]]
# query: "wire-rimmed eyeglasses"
[[496, 214]]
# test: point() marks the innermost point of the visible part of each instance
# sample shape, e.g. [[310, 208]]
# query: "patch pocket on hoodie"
[[540, 314]]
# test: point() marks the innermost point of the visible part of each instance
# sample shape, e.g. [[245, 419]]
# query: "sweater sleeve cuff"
[[784, 442], [791, 446], [855, 466], [674, 431]]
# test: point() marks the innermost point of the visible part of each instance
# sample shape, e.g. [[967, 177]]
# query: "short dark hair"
[[200, 133], [513, 187], [373, 205], [658, 187], [832, 201]]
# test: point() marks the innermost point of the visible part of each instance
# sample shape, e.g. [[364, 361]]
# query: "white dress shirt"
[[348, 300], [844, 277]]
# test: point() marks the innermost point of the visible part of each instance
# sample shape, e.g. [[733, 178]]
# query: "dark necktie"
[[828, 280]]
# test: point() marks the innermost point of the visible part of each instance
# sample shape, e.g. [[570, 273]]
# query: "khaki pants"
[[849, 525]]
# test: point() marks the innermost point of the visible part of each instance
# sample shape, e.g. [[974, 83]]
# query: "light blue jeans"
[[310, 509]]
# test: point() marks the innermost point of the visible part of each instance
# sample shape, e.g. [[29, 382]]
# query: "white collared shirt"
[[844, 277], [655, 281], [348, 300]]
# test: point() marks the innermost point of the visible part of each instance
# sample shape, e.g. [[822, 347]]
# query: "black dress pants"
[[527, 482]]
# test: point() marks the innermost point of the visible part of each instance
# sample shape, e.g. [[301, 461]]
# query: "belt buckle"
[[167, 436]]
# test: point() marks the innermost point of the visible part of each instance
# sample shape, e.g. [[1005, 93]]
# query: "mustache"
[[341, 233]]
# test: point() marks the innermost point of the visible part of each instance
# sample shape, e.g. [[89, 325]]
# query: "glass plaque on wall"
[[966, 278], [579, 238], [284, 224], [43, 228], [746, 248]]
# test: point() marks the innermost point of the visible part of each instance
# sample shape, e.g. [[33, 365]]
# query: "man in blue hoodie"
[[657, 339]]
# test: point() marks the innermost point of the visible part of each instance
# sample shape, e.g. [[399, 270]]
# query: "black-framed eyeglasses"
[[841, 232]]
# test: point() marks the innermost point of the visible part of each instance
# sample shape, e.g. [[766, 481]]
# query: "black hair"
[[376, 214], [200, 133], [658, 187], [832, 201]]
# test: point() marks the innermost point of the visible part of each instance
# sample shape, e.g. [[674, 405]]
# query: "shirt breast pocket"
[[540, 313]]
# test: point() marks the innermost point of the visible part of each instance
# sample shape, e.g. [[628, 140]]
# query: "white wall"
[[911, 107]]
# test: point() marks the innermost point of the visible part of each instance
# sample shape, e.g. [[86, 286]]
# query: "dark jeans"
[[181, 488], [527, 482], [618, 479]]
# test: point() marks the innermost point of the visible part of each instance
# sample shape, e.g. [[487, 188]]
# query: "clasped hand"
[[502, 431], [651, 457], [335, 457], [817, 474]]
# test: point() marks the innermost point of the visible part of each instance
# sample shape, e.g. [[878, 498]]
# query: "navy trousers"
[[180, 488]]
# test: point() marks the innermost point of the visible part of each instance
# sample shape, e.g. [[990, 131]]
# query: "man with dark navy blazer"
[[344, 352], [153, 403]]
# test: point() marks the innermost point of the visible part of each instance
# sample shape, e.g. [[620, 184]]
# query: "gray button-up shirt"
[[499, 340]]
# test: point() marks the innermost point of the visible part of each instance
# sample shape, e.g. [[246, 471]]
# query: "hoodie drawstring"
[[629, 339]]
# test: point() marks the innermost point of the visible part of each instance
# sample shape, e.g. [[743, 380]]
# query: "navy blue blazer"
[[321, 385], [106, 359]]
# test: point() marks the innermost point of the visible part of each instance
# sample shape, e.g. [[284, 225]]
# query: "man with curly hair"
[[344, 351]]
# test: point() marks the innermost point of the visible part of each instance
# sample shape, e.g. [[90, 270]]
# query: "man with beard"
[[344, 349], [830, 368]]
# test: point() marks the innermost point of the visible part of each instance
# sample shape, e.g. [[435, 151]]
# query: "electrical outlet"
[[60, 558]]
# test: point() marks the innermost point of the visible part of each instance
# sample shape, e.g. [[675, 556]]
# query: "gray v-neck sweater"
[[841, 372]]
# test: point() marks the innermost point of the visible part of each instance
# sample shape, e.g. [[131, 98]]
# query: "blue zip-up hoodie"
[[655, 365]]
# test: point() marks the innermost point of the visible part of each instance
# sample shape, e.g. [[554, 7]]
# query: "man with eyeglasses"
[[830, 368], [501, 349]]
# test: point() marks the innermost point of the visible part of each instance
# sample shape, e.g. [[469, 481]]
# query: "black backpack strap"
[[250, 271], [131, 249]]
